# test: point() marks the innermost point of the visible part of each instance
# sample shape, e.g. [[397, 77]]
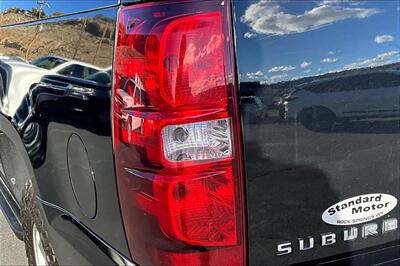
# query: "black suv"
[[154, 132]]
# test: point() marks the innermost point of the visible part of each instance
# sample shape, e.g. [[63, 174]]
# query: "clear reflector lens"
[[208, 140]]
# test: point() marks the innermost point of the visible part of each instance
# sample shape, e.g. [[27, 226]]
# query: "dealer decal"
[[348, 213], [359, 209]]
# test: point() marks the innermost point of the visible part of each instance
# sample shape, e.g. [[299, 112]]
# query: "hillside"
[[75, 39]]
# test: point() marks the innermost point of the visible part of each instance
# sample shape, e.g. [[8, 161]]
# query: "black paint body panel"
[[47, 106], [309, 142], [320, 118]]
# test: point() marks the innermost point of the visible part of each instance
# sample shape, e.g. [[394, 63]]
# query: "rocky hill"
[[89, 40]]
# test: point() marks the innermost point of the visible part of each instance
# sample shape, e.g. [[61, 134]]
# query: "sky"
[[285, 40]]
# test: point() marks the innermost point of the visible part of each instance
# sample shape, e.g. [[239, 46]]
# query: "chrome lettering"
[[303, 245], [328, 239], [350, 233], [370, 229], [284, 248]]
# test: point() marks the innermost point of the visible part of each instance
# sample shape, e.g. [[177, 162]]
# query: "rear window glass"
[[48, 62]]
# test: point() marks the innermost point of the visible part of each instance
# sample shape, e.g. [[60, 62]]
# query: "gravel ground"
[[12, 250]]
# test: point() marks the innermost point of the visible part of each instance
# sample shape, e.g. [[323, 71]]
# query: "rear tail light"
[[176, 134]]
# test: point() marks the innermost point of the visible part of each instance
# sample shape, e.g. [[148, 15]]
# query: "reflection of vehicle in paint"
[[102, 77], [73, 95], [25, 75], [15, 58], [320, 104], [253, 108]]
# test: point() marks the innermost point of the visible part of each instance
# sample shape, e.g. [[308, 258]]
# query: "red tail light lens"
[[176, 134], [191, 68], [198, 209]]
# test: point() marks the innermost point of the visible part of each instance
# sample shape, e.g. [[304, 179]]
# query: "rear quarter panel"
[[64, 122]]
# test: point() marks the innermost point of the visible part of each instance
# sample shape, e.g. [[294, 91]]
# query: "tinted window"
[[334, 85], [383, 80], [77, 71], [48, 62], [100, 77]]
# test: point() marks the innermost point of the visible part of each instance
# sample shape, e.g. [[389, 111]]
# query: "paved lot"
[[12, 250]]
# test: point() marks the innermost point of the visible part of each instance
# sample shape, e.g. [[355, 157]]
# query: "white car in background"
[[4, 57], [321, 104], [24, 75]]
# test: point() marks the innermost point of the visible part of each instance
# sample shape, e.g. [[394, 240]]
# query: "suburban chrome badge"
[[348, 234], [350, 212]]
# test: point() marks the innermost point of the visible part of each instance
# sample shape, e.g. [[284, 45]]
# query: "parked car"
[[27, 74], [353, 97], [16, 58], [136, 132]]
